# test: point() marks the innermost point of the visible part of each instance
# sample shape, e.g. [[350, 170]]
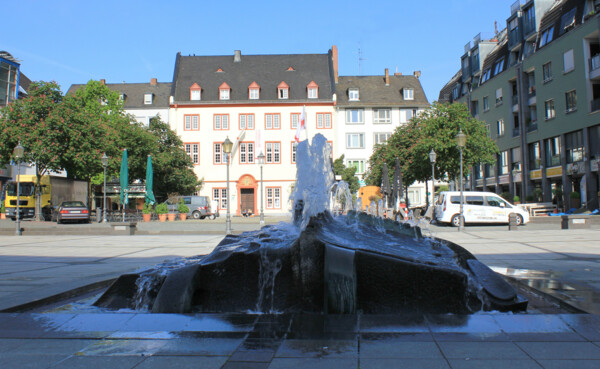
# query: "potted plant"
[[529, 198], [147, 212], [161, 210], [516, 200], [183, 210], [171, 216], [2, 211], [506, 196], [575, 199], [538, 194]]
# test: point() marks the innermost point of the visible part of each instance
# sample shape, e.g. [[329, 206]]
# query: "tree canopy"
[[72, 132], [435, 128], [347, 174]]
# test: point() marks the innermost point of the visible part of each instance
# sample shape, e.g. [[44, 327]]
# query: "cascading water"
[[355, 262]]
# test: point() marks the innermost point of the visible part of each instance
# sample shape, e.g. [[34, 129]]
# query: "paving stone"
[[10, 344], [493, 364], [403, 364], [253, 356], [586, 325], [124, 348], [199, 346], [182, 362], [25, 361], [561, 350], [570, 364], [392, 348], [312, 363], [54, 346], [245, 365], [481, 350], [99, 362], [318, 349]]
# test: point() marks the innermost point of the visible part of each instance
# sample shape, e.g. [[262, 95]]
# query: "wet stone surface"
[[128, 340]]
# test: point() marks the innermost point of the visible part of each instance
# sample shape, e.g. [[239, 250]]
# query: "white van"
[[478, 207]]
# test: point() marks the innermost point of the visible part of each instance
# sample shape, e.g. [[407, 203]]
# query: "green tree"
[[347, 173], [435, 128], [173, 168]]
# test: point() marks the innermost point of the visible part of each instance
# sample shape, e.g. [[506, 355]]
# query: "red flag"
[[301, 124]]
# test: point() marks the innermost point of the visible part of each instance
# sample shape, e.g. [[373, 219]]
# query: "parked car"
[[72, 211], [478, 207], [200, 206]]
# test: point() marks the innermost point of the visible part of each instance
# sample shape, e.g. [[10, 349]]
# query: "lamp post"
[[18, 153], [461, 141], [227, 146], [104, 160], [432, 157], [261, 161]]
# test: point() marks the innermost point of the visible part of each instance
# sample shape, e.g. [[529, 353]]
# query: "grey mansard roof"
[[373, 91], [134, 94], [268, 71]]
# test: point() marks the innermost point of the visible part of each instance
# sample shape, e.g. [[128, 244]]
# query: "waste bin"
[[512, 222], [564, 223], [99, 215]]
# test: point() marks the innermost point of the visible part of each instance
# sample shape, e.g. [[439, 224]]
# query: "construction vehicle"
[[52, 192]]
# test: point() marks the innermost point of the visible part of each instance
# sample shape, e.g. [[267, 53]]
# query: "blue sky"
[[73, 41]]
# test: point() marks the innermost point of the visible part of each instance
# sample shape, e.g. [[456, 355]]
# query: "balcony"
[[515, 38], [532, 127], [594, 63], [515, 99]]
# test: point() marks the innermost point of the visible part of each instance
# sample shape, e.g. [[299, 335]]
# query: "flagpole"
[[305, 121]]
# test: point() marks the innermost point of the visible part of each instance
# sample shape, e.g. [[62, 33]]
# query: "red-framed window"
[[218, 154], [246, 152], [273, 152], [220, 196], [193, 151], [195, 92], [191, 122], [283, 91], [273, 197], [254, 91], [246, 121], [312, 90], [221, 122], [323, 120], [294, 147], [224, 91], [294, 120], [272, 121]]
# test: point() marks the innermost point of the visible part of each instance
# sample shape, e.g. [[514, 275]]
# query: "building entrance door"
[[247, 200]]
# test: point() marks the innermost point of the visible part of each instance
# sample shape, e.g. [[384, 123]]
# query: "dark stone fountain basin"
[[349, 264]]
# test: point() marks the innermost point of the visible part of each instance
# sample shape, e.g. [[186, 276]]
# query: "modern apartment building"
[[536, 85], [369, 109]]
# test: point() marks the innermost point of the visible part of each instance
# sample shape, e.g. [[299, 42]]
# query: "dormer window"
[[283, 91], [195, 92], [353, 94], [148, 99], [409, 94], [313, 90], [224, 90], [254, 91], [122, 97]]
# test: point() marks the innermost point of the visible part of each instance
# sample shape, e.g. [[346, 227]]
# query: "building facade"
[[369, 109], [536, 85], [257, 102], [142, 100]]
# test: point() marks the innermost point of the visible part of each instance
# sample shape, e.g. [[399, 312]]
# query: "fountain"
[[320, 263]]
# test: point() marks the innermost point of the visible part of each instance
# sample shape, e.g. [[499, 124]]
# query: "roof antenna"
[[496, 27], [360, 59]]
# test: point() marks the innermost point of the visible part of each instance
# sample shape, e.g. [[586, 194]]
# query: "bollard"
[[564, 223], [512, 222], [99, 215]]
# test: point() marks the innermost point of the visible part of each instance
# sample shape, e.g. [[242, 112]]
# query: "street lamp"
[[432, 157], [514, 178], [261, 161], [104, 160], [461, 142], [227, 146], [18, 153]]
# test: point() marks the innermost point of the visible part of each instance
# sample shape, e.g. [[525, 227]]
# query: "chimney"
[[237, 56], [417, 73], [397, 74], [334, 59], [102, 81], [387, 77], [153, 82]]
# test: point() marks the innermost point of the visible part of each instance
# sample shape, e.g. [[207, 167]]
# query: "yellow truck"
[[54, 190]]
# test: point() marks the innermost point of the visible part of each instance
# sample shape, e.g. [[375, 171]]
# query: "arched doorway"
[[247, 190]]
